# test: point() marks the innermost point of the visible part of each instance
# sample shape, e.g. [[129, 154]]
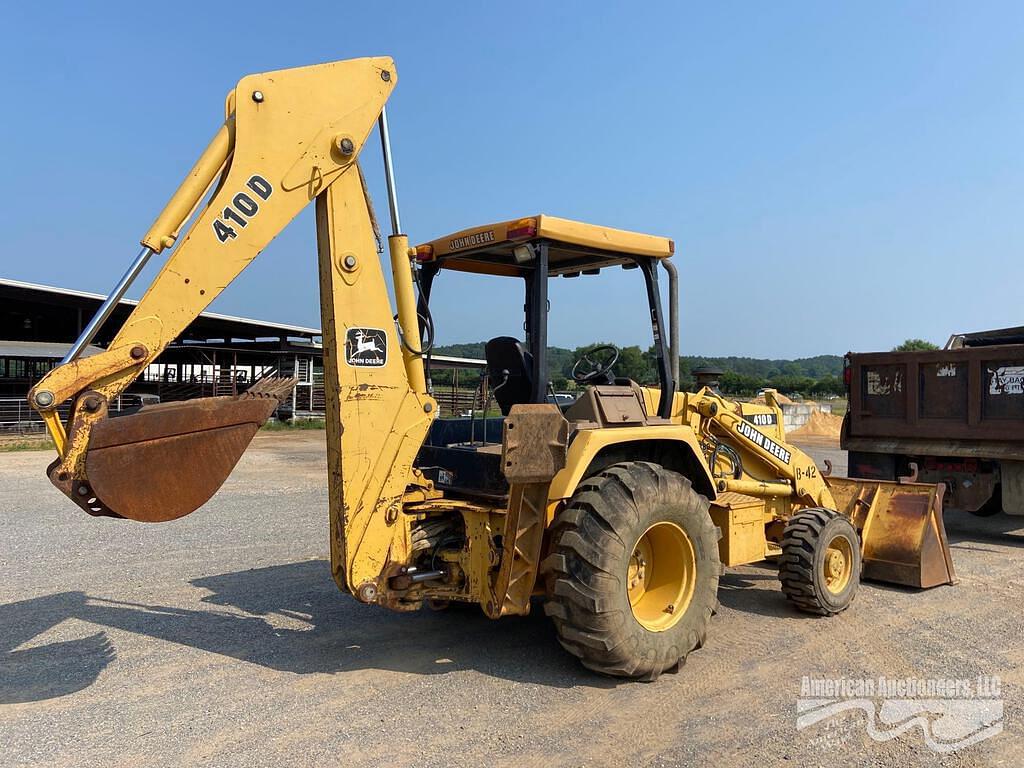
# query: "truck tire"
[[632, 574], [821, 561], [993, 506]]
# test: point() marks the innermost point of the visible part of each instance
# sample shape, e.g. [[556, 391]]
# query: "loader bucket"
[[903, 538], [165, 461]]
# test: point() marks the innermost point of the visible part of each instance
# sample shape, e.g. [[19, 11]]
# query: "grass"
[[297, 424], [27, 444]]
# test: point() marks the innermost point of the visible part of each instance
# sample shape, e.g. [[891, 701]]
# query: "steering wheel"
[[599, 361]]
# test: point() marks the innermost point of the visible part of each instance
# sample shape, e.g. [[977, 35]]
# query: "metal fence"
[[17, 417]]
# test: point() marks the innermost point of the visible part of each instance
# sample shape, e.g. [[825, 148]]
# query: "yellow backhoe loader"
[[620, 509]]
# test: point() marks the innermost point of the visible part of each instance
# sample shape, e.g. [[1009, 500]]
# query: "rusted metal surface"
[[976, 449], [533, 452], [901, 527], [969, 394], [67, 472], [534, 443], [167, 460]]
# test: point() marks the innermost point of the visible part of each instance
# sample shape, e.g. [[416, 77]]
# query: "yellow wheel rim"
[[661, 576], [838, 564]]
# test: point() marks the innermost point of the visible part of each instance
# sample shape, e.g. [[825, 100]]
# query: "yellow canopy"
[[573, 246]]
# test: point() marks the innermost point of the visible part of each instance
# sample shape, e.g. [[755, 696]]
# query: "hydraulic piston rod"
[[401, 271], [107, 307], [165, 229]]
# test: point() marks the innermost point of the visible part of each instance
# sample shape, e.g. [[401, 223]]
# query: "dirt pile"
[[781, 398], [819, 425]]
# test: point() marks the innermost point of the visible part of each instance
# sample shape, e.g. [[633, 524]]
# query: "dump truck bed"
[[958, 414]]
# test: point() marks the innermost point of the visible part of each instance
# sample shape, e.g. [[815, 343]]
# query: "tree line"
[[811, 376]]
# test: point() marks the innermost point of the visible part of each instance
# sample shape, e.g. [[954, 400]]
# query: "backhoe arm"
[[288, 137], [291, 134]]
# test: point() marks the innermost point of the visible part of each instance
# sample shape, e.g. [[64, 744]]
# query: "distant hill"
[[813, 367], [744, 375]]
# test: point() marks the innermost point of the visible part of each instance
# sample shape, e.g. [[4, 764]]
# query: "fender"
[[589, 443]]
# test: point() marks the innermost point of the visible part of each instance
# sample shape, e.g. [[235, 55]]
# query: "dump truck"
[[956, 414], [618, 510]]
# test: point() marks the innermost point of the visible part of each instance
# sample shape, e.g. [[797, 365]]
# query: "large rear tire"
[[632, 578], [821, 562]]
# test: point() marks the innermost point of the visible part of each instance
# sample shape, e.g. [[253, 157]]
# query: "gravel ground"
[[220, 639]]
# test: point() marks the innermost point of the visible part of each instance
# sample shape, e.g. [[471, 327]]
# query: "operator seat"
[[510, 370]]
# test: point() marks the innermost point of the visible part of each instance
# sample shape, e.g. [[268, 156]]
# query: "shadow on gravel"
[[47, 671], [745, 591], [964, 529], [289, 618]]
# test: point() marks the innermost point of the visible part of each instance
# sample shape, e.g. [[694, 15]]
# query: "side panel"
[[741, 519]]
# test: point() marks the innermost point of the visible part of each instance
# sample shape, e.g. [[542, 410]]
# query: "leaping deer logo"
[[366, 347], [365, 343]]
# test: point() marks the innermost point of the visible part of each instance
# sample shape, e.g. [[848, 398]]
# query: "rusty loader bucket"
[[903, 537], [165, 461]]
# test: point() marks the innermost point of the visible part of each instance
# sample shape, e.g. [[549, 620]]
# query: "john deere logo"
[[366, 347], [478, 238]]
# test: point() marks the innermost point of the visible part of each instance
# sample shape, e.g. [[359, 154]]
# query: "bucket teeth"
[[271, 386]]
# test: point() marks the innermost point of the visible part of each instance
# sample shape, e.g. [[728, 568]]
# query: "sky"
[[836, 176]]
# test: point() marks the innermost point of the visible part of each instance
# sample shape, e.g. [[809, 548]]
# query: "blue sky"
[[835, 176]]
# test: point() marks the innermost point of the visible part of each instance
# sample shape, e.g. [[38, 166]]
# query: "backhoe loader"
[[619, 509]]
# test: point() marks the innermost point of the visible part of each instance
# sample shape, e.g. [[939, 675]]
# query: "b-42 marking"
[[807, 472]]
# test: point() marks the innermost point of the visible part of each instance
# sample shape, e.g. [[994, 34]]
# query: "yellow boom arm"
[[290, 137]]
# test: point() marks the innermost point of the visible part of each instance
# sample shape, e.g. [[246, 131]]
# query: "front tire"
[[632, 578], [821, 561]]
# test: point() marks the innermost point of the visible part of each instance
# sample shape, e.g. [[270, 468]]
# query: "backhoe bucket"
[[165, 461], [903, 538]]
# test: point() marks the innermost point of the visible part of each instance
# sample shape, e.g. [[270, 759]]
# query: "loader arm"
[[795, 473], [291, 137], [903, 539]]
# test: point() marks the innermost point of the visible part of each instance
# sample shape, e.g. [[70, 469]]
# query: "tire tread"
[[588, 547]]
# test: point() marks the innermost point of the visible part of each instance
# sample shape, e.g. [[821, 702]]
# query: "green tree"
[[828, 385], [914, 345], [790, 385], [636, 365], [740, 384]]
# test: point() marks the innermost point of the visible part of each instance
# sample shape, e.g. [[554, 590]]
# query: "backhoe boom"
[[289, 138]]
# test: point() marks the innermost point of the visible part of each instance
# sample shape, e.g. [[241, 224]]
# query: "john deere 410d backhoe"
[[620, 509]]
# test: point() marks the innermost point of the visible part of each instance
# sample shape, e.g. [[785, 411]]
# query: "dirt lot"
[[220, 639]]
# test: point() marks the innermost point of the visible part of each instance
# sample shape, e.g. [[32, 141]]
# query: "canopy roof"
[[573, 247]]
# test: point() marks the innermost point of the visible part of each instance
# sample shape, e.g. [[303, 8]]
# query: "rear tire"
[[994, 505], [632, 578], [821, 561]]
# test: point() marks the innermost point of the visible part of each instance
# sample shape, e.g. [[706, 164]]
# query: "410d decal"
[[243, 207]]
